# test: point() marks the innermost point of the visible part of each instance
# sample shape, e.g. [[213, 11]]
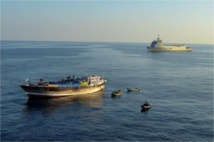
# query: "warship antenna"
[[158, 38]]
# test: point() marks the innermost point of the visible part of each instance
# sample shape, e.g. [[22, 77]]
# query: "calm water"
[[179, 85]]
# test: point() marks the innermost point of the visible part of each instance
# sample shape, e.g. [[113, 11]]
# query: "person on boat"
[[146, 103], [62, 80], [69, 78], [41, 82]]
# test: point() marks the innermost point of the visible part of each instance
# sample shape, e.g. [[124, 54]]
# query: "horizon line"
[[101, 41]]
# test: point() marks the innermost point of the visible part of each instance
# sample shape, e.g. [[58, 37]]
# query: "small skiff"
[[133, 89], [116, 93], [146, 106]]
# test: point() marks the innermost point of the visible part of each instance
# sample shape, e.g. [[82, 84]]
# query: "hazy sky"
[[177, 21]]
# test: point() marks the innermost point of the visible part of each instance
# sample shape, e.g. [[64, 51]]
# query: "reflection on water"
[[54, 104]]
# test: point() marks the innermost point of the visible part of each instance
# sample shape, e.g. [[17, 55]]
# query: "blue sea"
[[179, 86]]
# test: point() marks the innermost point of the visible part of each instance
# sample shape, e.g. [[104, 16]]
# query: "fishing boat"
[[158, 46], [133, 89], [70, 86]]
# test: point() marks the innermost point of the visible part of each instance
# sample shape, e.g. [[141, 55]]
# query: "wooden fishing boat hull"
[[54, 91]]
